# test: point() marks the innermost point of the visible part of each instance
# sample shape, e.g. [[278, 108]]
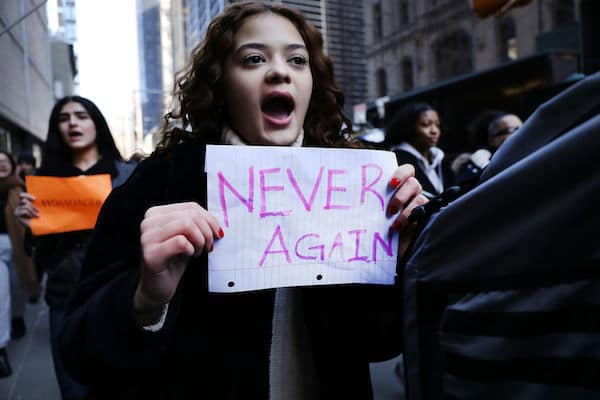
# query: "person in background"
[[25, 282], [79, 142], [142, 323], [500, 127], [11, 255], [25, 164], [413, 135], [33, 275]]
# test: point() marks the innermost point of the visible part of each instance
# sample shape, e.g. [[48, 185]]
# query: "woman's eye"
[[298, 60], [254, 59]]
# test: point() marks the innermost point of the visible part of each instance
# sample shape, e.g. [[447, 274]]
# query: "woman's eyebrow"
[[66, 114], [262, 46]]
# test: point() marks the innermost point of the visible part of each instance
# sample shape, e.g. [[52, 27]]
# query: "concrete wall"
[[25, 72]]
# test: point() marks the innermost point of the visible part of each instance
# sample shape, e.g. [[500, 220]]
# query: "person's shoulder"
[[405, 156]]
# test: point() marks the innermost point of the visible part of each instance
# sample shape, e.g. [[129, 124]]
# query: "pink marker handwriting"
[[311, 246], [336, 195]]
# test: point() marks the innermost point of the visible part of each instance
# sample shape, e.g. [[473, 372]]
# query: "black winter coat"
[[212, 346], [502, 292], [404, 157]]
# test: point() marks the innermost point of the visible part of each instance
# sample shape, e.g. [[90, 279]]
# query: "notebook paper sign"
[[67, 204], [299, 217]]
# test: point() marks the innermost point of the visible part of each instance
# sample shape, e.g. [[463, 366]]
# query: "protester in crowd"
[[500, 127], [13, 259], [25, 164], [413, 134], [79, 142], [24, 280], [142, 323], [10, 187]]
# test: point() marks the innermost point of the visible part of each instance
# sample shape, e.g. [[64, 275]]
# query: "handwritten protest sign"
[[67, 204], [299, 216]]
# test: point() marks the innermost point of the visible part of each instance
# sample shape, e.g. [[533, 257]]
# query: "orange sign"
[[67, 204]]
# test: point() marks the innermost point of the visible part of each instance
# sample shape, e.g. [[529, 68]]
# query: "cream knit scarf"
[[291, 370]]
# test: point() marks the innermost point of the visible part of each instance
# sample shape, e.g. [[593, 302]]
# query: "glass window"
[[452, 54], [403, 16], [406, 69], [381, 82], [564, 12], [377, 21], [508, 40]]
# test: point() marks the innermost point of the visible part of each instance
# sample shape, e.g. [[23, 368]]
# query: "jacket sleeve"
[[100, 336]]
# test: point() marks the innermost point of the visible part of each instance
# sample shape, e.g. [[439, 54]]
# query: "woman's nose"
[[278, 72]]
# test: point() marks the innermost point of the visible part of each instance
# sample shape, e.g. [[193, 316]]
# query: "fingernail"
[[221, 233], [392, 209], [212, 246], [395, 182]]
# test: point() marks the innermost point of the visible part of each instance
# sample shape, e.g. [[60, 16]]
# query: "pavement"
[[31, 360], [33, 373]]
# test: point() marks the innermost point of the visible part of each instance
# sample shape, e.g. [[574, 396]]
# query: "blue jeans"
[[70, 389]]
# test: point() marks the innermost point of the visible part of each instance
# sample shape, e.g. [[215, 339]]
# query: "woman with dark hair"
[[143, 323], [413, 134], [12, 255], [79, 142]]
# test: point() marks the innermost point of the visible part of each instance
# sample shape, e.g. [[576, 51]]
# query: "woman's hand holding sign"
[[406, 198], [26, 210], [169, 236]]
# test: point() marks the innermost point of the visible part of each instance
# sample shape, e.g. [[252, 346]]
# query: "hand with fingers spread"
[[169, 236], [26, 209], [406, 197]]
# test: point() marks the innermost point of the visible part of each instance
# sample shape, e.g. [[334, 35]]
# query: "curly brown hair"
[[199, 85]]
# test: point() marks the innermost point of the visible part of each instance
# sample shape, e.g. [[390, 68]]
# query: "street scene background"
[[124, 55]]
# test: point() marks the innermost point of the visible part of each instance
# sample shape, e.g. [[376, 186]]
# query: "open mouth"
[[75, 134], [277, 107]]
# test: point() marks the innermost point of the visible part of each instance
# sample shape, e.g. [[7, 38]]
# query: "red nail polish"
[[221, 233], [395, 182], [396, 225]]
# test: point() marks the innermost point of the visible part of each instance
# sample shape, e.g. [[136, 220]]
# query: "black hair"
[[198, 86], [57, 151], [402, 125], [493, 124], [26, 157]]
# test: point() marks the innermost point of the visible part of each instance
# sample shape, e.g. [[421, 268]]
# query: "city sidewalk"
[[31, 360]]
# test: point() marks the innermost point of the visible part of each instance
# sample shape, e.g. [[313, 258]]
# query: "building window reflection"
[[382, 88], [377, 21], [508, 40], [406, 68], [453, 55]]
